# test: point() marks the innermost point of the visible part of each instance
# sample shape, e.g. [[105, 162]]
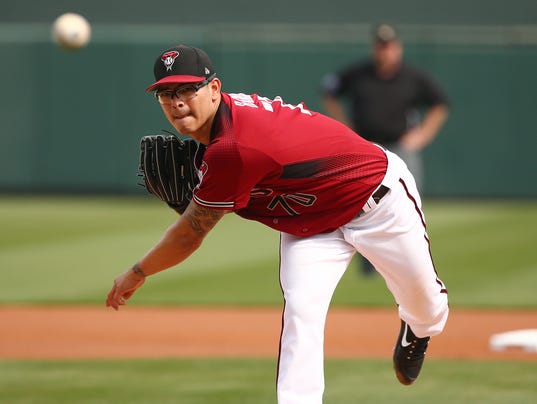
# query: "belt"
[[377, 196], [380, 193]]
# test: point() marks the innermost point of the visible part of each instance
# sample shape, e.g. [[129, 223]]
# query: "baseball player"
[[328, 192]]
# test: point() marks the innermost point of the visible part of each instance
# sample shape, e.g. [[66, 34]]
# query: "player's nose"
[[177, 102]]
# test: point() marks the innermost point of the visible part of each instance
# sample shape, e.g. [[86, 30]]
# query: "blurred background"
[[65, 115]]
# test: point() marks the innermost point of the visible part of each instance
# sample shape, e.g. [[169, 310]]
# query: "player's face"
[[188, 109]]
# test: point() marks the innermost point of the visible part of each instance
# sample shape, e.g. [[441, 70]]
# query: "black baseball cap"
[[384, 33], [181, 64]]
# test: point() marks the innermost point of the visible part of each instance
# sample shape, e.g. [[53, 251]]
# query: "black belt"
[[380, 193], [377, 196]]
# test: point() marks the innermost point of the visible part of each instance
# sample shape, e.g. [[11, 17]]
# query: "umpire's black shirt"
[[383, 110]]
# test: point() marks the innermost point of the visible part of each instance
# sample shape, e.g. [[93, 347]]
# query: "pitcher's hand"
[[124, 287]]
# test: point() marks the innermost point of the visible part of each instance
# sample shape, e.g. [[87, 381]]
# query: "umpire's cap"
[[181, 64], [384, 33]]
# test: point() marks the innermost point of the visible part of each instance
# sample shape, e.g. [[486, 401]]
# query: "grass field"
[[250, 381], [68, 251]]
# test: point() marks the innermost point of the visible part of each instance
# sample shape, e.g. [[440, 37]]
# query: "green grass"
[[486, 252], [242, 381], [68, 251]]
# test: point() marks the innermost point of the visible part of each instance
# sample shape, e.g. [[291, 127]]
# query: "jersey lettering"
[[285, 201], [260, 193], [245, 100], [300, 106]]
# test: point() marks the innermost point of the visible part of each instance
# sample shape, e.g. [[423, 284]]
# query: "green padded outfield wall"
[[71, 121]]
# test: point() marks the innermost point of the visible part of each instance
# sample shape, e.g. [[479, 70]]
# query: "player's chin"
[[185, 125]]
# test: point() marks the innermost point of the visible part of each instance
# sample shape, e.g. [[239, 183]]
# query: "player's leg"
[[310, 270], [393, 237], [413, 161], [402, 256], [366, 267]]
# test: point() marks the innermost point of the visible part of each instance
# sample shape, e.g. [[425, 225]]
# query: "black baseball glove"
[[167, 167]]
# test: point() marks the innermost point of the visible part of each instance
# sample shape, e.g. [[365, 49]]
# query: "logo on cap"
[[168, 58]]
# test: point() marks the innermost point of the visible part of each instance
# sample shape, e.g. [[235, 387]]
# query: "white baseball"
[[71, 31]]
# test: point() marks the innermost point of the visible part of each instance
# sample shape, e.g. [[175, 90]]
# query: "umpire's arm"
[[180, 240]]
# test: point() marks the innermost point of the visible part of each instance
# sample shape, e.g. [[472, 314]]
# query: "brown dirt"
[[138, 332]]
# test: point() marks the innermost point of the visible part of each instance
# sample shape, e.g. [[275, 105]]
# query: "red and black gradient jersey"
[[283, 165]]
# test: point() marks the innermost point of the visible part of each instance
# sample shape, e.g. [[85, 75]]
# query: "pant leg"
[[310, 270], [394, 238]]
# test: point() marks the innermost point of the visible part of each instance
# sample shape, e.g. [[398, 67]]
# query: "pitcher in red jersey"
[[327, 190]]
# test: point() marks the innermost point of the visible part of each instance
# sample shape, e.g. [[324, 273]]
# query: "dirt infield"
[[134, 332]]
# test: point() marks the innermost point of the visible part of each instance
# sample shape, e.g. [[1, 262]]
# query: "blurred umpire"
[[390, 103]]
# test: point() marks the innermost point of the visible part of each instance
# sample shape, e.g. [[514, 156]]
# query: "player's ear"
[[215, 86]]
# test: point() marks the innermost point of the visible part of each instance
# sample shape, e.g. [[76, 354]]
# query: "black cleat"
[[408, 355]]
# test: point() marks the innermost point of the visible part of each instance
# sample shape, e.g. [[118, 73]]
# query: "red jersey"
[[292, 169]]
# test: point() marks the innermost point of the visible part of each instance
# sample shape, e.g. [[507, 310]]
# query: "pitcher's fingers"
[[113, 298], [110, 302], [127, 295], [108, 299], [111, 293]]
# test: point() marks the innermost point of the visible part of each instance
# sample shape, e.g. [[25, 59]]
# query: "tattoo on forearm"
[[202, 219], [137, 270]]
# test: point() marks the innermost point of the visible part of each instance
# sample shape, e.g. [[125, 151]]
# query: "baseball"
[[71, 31]]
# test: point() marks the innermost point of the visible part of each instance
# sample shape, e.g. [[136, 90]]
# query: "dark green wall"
[[295, 11], [71, 121]]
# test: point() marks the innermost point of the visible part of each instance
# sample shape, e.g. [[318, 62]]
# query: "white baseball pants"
[[392, 236]]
